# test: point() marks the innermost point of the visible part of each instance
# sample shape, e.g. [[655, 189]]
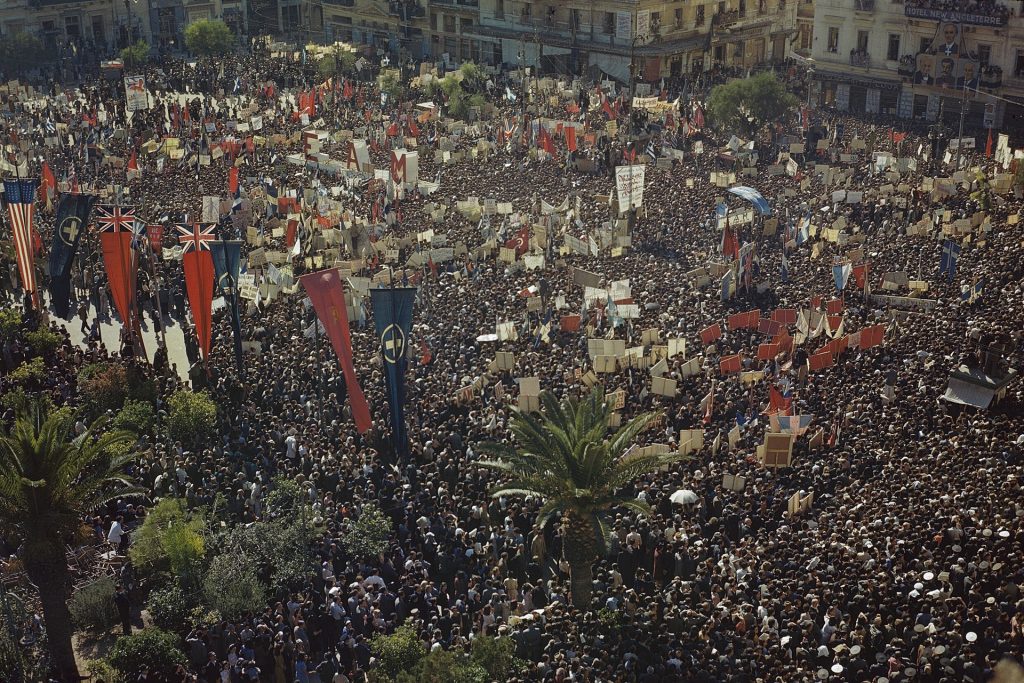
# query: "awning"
[[968, 394]]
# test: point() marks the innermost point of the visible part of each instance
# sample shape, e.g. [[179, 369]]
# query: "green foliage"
[[171, 608], [472, 76], [398, 652], [368, 535], [168, 540], [10, 323], [30, 372], [208, 37], [18, 400], [444, 666], [23, 50], [136, 417], [231, 586], [104, 386], [278, 550], [193, 417], [102, 670], [152, 647], [336, 62], [43, 341], [92, 605], [496, 656], [390, 82], [135, 55], [747, 104], [284, 498]]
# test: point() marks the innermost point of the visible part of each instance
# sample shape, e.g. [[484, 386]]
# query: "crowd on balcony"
[[983, 7], [859, 57]]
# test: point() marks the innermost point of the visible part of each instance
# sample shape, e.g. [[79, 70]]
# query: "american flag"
[[20, 195], [115, 218], [195, 236]]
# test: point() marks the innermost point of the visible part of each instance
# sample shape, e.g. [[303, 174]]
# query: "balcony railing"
[[860, 58], [864, 5]]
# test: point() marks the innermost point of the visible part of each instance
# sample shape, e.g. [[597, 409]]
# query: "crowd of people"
[[909, 562]]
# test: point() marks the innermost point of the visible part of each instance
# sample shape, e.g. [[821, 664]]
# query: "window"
[[893, 51], [743, 8], [924, 45], [433, 21], [984, 54], [467, 24], [1018, 67], [700, 15], [833, 39], [449, 23], [608, 25], [527, 10], [805, 37], [679, 17], [71, 27], [98, 34], [499, 9], [862, 41]]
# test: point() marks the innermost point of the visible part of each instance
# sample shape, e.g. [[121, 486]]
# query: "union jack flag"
[[196, 236], [115, 218]]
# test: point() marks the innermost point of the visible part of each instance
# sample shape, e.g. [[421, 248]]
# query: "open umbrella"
[[684, 497]]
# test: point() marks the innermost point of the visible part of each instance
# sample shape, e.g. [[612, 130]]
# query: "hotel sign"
[[953, 17]]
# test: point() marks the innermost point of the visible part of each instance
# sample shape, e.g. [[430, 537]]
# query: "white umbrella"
[[684, 497]]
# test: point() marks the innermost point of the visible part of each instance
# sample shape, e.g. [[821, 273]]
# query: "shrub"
[[278, 550], [104, 386], [153, 647], [10, 323], [193, 417], [496, 656], [92, 605], [168, 540], [135, 55], [101, 670], [368, 534], [43, 341], [136, 416], [171, 608], [398, 652], [18, 400], [30, 371], [231, 586], [208, 37], [284, 498]]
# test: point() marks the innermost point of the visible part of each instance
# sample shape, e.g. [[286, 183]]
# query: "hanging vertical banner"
[[72, 217], [226, 256], [117, 230], [392, 315], [135, 96], [20, 196], [197, 262], [328, 298]]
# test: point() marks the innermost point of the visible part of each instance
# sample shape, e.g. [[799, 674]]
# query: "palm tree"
[[567, 458], [48, 481]]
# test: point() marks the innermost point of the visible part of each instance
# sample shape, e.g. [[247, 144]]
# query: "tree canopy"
[[208, 37], [747, 104]]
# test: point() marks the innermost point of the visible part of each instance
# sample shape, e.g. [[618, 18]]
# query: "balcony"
[[931, 10], [864, 5], [860, 58], [991, 77]]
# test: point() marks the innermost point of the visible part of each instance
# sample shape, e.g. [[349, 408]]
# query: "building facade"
[[394, 27], [103, 24], [914, 60]]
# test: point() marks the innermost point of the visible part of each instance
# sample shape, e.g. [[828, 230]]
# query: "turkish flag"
[[327, 294], [521, 241], [198, 266]]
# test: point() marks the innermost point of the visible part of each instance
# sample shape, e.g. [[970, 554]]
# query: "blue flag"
[[950, 255], [71, 221], [226, 255], [392, 316], [841, 274]]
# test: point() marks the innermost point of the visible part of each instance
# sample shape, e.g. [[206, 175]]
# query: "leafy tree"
[[566, 458], [48, 480], [231, 586], [10, 324], [368, 535], [208, 37], [398, 652], [496, 656], [135, 55], [445, 666], [43, 341], [390, 82], [136, 417], [151, 647], [23, 50], [747, 104], [104, 386], [170, 607], [473, 77], [169, 540], [336, 62], [284, 498], [193, 417], [279, 551]]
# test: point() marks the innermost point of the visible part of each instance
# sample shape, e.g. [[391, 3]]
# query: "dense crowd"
[[909, 563]]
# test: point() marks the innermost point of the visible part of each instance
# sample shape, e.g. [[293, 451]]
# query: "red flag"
[[291, 232], [860, 274], [698, 117], [545, 141], [155, 233], [197, 262], [709, 404], [233, 181], [520, 242], [347, 92], [115, 224], [730, 243], [433, 266], [988, 145], [133, 165], [777, 403], [327, 294], [48, 183], [607, 109], [414, 130], [570, 138]]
